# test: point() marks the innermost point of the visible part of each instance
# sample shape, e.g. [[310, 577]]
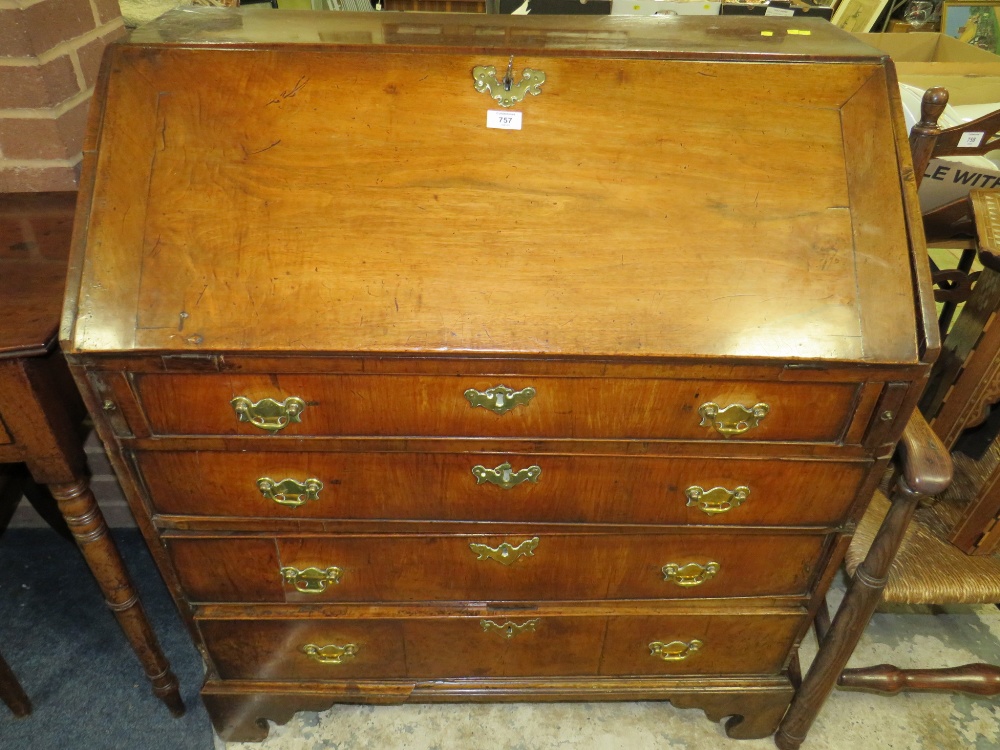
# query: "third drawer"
[[524, 567]]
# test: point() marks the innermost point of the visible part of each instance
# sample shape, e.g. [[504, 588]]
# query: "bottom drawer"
[[499, 645]]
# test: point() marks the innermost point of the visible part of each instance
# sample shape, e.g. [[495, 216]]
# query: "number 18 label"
[[496, 118]]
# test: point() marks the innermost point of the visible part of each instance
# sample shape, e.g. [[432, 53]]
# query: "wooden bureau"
[[410, 408]]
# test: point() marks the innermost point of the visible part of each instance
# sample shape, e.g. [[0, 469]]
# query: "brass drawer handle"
[[509, 629], [504, 475], [311, 580], [734, 419], [505, 554], [716, 500], [330, 654], [689, 574], [675, 650], [268, 414], [499, 399], [288, 491]]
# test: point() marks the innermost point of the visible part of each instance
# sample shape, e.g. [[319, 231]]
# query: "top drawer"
[[503, 407]]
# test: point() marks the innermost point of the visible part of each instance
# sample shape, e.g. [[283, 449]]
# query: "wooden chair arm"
[[924, 462]]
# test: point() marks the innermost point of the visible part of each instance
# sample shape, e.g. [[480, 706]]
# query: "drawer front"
[[536, 487], [382, 568], [498, 645], [437, 406]]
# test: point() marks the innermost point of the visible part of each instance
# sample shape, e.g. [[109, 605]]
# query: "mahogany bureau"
[[497, 358]]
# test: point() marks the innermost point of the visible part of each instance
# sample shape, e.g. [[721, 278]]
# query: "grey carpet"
[[87, 688]]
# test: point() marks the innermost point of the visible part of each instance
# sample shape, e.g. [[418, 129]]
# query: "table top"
[[35, 232]]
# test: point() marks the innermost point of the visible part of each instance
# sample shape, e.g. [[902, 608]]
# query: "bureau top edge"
[[739, 38]]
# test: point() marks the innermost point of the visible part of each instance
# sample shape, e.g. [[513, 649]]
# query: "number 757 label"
[[497, 118]]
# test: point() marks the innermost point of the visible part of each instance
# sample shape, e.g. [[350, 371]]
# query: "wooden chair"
[[950, 225], [901, 550]]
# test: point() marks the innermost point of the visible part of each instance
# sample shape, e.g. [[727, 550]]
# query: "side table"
[[41, 412]]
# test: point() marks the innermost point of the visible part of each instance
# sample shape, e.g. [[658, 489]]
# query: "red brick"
[[52, 21], [31, 139], [37, 86], [37, 180], [90, 54], [108, 10], [38, 138], [72, 126], [15, 41]]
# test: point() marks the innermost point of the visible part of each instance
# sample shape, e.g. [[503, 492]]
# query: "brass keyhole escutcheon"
[[505, 554], [504, 476]]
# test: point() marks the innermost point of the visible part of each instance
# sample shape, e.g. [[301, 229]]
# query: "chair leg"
[[11, 691], [859, 603], [976, 679]]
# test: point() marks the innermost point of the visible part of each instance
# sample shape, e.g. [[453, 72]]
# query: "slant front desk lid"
[[664, 187]]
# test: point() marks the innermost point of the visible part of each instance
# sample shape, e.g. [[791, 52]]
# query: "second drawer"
[[407, 568], [525, 487]]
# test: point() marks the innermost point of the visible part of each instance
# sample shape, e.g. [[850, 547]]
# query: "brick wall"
[[50, 52]]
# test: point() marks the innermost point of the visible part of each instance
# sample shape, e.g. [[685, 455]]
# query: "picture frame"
[[858, 15], [976, 22]]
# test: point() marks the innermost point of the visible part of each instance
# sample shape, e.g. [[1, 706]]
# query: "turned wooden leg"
[[976, 679], [79, 508], [859, 604], [11, 691]]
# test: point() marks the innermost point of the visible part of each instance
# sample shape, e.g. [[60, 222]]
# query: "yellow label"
[[767, 33]]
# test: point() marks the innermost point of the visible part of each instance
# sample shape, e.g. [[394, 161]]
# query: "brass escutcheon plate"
[[505, 91], [504, 475], [499, 399], [505, 554], [509, 629]]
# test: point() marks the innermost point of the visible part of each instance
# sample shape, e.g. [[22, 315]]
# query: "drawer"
[[536, 407], [500, 645], [408, 568], [445, 486]]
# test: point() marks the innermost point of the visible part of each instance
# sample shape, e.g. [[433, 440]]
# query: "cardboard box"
[[946, 180], [664, 8], [922, 52]]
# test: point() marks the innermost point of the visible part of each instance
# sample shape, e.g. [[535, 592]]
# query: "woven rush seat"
[[928, 569]]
